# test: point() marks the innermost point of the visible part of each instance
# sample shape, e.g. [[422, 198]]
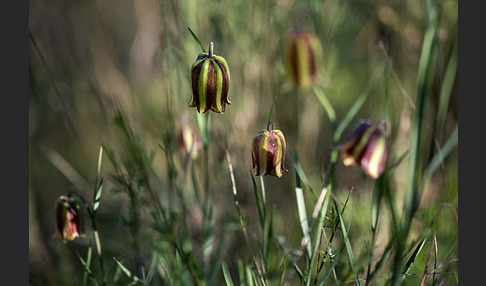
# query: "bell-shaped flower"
[[189, 140], [210, 77], [367, 148], [268, 153], [302, 55], [69, 218]]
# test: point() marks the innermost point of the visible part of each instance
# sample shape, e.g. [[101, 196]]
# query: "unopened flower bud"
[[366, 147], [190, 142], [210, 77], [302, 55], [268, 153], [69, 218]]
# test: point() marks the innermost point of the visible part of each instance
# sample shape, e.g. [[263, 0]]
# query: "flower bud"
[[210, 77], [69, 218], [302, 55], [190, 142], [268, 154], [366, 147]]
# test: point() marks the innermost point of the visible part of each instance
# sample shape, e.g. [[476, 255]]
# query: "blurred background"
[[88, 58]]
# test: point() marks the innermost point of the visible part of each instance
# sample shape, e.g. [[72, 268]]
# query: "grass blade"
[[349, 249], [258, 201], [97, 196], [439, 157], [196, 39], [87, 271], [326, 104], [412, 258], [304, 224], [446, 89], [302, 177], [226, 274], [127, 272]]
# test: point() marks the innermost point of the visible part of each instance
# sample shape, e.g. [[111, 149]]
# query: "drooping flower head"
[[69, 218], [268, 153], [367, 148], [302, 55], [210, 77], [189, 140]]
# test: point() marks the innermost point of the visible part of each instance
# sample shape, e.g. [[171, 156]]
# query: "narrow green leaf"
[[127, 272], [100, 156], [268, 234], [326, 104], [349, 249], [379, 187], [414, 255], [241, 273], [301, 177], [259, 202], [250, 277], [304, 224], [320, 227], [376, 201], [226, 274], [97, 196], [85, 265], [197, 40], [446, 88], [439, 157]]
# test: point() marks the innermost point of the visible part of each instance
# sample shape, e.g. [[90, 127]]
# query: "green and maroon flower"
[[302, 55], [69, 218], [268, 153], [210, 77], [366, 147]]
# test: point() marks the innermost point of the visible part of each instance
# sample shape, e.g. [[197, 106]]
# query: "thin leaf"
[[259, 202], [326, 104], [379, 187], [301, 177], [85, 266], [439, 157], [414, 255], [446, 88], [100, 156], [304, 224], [268, 234], [226, 274], [197, 40], [127, 272], [349, 249], [97, 196]]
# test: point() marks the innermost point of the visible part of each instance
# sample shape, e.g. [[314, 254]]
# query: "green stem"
[[206, 163]]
